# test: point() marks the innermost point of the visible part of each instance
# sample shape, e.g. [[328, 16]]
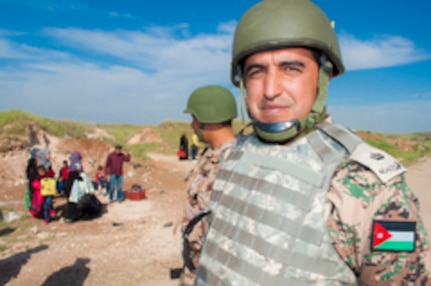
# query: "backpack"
[[48, 187]]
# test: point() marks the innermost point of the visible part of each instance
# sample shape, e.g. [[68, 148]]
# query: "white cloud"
[[9, 33], [399, 117], [158, 49], [12, 50], [227, 27], [145, 76], [384, 51], [154, 72]]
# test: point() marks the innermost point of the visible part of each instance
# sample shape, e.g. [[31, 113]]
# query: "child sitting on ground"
[[100, 180]]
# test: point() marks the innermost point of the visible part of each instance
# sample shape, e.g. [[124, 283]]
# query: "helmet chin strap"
[[280, 132], [201, 132]]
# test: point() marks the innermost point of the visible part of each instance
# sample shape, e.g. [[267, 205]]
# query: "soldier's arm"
[[376, 227]]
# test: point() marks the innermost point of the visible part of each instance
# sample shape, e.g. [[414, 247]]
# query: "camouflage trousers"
[[187, 278], [195, 246]]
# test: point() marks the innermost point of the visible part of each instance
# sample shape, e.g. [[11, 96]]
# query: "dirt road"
[[133, 243]]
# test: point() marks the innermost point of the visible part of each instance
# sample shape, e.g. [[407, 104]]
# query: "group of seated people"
[[72, 183]]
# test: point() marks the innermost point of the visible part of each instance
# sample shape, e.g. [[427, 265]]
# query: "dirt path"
[[134, 242]]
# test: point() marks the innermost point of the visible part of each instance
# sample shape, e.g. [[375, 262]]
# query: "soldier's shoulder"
[[367, 173], [383, 166], [226, 148], [361, 154]]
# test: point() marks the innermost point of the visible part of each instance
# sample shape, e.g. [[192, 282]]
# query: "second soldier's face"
[[281, 84]]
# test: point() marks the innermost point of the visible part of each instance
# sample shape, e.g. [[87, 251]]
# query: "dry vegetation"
[[133, 243]]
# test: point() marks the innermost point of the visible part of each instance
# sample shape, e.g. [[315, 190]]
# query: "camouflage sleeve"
[[360, 203], [197, 180]]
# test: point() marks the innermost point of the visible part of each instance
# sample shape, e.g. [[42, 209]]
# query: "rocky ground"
[[133, 243]]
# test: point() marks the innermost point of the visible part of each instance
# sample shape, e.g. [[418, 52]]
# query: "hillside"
[[19, 131], [134, 242]]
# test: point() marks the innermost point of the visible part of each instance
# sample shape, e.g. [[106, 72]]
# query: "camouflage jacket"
[[201, 179], [357, 200]]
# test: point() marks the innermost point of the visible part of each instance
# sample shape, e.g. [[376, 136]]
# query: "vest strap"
[[344, 137]]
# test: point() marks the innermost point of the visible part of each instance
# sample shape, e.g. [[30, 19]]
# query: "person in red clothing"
[[100, 180], [63, 175], [114, 168], [41, 204]]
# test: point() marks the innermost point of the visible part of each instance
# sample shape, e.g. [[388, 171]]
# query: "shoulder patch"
[[383, 165], [393, 236]]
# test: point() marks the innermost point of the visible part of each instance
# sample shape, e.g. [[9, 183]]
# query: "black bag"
[[90, 206]]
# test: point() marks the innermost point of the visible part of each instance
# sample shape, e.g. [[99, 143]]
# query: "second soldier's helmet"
[[212, 104]]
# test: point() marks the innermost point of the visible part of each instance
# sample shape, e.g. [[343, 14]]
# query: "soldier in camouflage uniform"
[[213, 108], [302, 201]]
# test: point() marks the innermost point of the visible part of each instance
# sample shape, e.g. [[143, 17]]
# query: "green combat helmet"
[[273, 24], [211, 104]]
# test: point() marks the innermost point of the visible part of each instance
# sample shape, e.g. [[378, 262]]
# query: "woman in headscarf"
[[31, 175], [75, 169], [43, 159], [80, 206], [31, 170], [71, 211]]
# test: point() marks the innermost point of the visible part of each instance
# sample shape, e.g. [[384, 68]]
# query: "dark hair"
[[41, 167], [227, 123], [118, 147]]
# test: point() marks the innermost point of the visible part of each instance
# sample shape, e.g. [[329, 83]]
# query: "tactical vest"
[[268, 221]]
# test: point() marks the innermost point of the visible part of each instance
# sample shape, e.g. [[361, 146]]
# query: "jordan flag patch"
[[393, 236]]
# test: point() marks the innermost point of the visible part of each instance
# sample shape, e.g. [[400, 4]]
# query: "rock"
[[43, 235], [34, 229], [18, 247], [168, 224], [11, 216], [61, 234]]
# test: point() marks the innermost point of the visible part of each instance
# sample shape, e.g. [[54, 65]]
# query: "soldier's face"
[[281, 84]]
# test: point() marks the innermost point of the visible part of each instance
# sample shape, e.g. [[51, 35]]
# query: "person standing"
[[184, 147], [63, 175], [302, 201], [31, 175], [114, 168], [212, 108], [195, 146]]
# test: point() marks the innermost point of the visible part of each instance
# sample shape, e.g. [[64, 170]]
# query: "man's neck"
[[221, 136]]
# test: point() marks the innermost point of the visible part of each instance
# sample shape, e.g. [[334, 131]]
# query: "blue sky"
[[137, 61]]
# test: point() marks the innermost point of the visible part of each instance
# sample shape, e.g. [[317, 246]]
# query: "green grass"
[[139, 150], [170, 132], [14, 123], [122, 133], [406, 158]]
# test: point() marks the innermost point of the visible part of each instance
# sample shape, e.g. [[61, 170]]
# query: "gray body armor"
[[268, 221]]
